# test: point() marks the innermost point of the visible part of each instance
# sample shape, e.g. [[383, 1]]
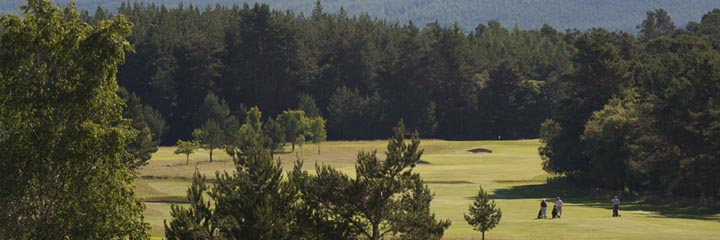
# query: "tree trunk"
[[483, 235], [187, 159], [318, 149], [293, 147], [376, 232], [211, 154]]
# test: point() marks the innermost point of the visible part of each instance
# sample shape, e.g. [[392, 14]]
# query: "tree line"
[[362, 74]]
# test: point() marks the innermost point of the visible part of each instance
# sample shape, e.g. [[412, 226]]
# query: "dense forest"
[[363, 75], [641, 114], [527, 14]]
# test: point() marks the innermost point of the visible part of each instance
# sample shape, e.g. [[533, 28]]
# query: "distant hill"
[[562, 14]]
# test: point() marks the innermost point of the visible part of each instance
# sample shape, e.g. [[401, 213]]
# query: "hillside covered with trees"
[[527, 14]]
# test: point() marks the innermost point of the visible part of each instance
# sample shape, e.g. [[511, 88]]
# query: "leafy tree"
[[210, 136], [300, 141], [294, 123], [194, 221], [187, 148], [483, 215], [63, 136], [317, 131], [608, 135]]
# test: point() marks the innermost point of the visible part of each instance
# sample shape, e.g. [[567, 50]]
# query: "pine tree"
[[384, 199], [194, 221], [254, 201], [307, 104], [483, 215]]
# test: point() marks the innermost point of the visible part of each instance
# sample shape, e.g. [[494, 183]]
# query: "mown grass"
[[511, 173]]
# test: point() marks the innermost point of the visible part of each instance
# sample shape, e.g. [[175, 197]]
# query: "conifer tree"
[[194, 221], [483, 215]]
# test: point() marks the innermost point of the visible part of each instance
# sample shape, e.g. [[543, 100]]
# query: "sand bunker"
[[480, 150]]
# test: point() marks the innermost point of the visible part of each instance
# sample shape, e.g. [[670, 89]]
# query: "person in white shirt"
[[558, 205], [616, 205]]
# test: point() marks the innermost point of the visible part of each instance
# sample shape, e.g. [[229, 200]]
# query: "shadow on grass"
[[578, 194], [202, 162]]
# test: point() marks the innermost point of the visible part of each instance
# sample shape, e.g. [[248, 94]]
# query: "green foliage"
[[656, 24], [606, 135], [146, 142], [254, 202], [62, 133], [352, 116], [385, 199], [220, 128], [363, 74], [274, 135], [509, 101], [483, 213], [307, 104], [295, 123], [210, 136], [187, 148], [194, 221], [638, 116], [155, 122], [316, 131], [251, 131], [599, 72]]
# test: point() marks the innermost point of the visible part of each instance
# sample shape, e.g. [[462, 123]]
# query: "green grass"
[[511, 173]]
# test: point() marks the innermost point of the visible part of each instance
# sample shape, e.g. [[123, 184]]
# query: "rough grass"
[[511, 173]]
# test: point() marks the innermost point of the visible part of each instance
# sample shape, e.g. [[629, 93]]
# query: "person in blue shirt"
[[616, 205]]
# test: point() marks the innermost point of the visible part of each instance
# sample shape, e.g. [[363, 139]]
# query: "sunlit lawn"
[[512, 173]]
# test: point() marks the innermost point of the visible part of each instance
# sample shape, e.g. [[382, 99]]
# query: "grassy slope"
[[512, 173]]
